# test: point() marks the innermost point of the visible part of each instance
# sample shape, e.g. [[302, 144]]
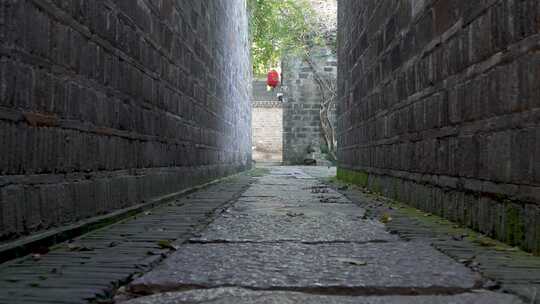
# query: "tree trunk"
[[327, 89]]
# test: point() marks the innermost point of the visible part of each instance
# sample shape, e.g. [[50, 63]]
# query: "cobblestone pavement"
[[91, 267], [291, 239]]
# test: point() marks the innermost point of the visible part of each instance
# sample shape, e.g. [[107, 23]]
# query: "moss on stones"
[[503, 219], [515, 228], [359, 178]]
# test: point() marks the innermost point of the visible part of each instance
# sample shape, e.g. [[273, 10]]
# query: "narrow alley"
[[275, 235], [269, 151], [291, 239]]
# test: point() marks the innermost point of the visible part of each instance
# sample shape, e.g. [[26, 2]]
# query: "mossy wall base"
[[513, 222]]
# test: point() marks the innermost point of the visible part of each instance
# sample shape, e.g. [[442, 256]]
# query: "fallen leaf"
[[485, 243], [386, 218], [166, 244]]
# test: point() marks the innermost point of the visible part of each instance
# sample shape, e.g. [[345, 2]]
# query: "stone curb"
[[38, 242]]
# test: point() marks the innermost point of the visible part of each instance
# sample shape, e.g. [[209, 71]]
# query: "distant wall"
[[267, 131], [106, 104], [439, 107], [301, 112], [267, 123]]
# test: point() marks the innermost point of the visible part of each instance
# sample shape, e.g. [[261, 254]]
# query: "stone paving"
[[282, 237], [91, 267], [290, 239], [243, 296], [510, 269]]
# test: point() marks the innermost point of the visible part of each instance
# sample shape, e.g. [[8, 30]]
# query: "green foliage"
[[278, 26]]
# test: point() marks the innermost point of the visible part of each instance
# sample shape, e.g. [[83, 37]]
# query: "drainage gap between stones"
[[147, 290], [268, 242]]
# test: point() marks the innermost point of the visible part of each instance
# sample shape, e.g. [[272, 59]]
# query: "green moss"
[[376, 187], [258, 172], [359, 178], [515, 228]]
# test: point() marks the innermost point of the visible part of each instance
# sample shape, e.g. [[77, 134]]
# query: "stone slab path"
[[91, 267], [509, 269], [290, 239]]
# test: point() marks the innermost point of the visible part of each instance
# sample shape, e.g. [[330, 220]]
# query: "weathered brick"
[[4, 144], [443, 15], [536, 157], [31, 209], [24, 86], [480, 38], [525, 19], [501, 27], [301, 110], [85, 105], [499, 156], [6, 81], [467, 77], [521, 156], [12, 198]]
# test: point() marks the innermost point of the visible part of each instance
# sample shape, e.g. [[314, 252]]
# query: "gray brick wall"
[[260, 92], [439, 107], [105, 104], [301, 109], [267, 129]]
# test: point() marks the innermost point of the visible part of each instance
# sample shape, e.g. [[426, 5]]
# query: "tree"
[[328, 89], [278, 27]]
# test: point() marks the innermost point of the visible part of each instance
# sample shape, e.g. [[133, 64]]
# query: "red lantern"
[[273, 79]]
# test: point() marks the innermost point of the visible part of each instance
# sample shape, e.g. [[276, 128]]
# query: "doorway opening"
[[267, 125]]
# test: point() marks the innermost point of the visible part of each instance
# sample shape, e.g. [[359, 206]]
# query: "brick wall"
[[266, 123], [440, 107], [267, 128], [105, 104], [301, 112]]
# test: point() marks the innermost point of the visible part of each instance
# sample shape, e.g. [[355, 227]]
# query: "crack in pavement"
[[315, 290], [218, 241]]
